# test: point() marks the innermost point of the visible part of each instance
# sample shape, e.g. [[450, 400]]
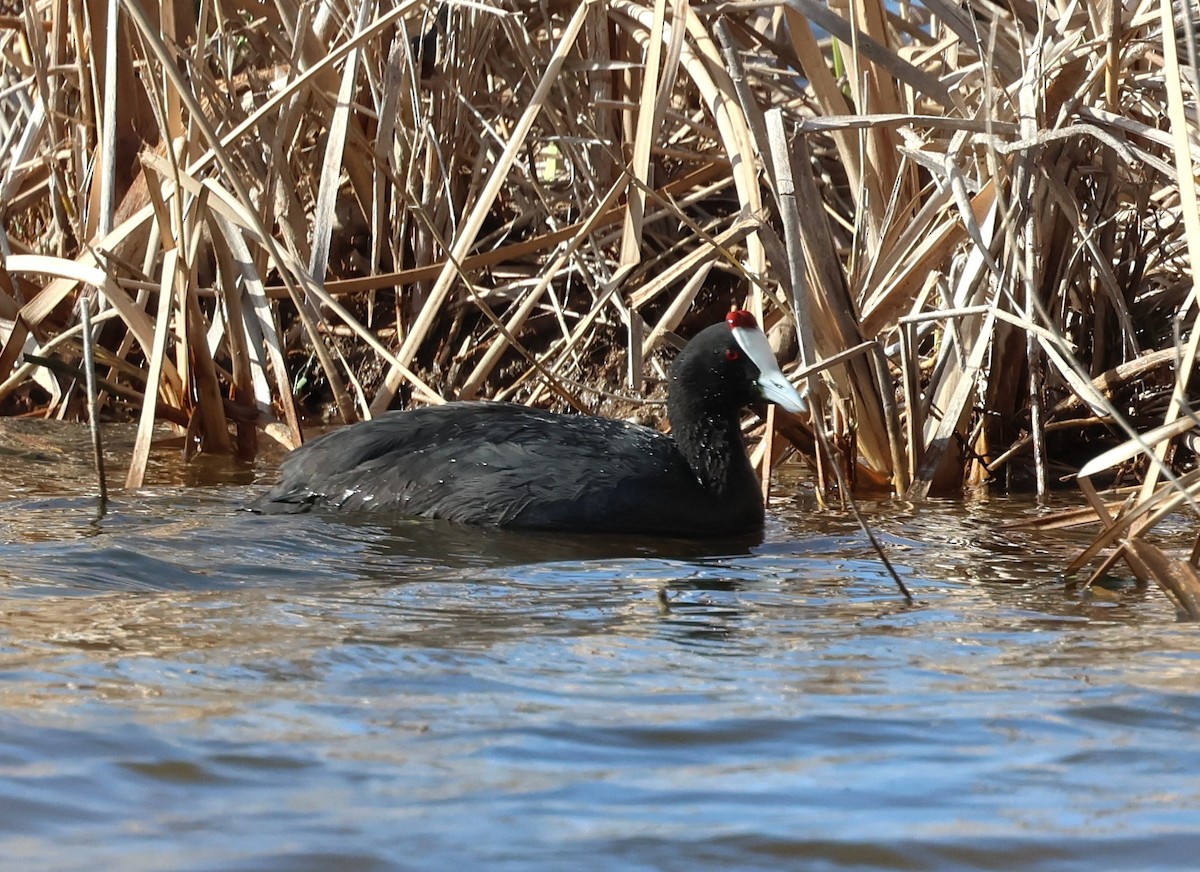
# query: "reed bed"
[[973, 226]]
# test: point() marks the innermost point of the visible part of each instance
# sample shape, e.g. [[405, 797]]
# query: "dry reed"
[[974, 225]]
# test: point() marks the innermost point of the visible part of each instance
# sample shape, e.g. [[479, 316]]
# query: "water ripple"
[[185, 686]]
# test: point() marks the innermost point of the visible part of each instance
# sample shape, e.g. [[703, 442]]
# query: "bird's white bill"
[[772, 383]]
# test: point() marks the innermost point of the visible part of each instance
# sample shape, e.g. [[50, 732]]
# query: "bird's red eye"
[[731, 354]]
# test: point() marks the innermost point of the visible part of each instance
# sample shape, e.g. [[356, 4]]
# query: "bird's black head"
[[726, 367]]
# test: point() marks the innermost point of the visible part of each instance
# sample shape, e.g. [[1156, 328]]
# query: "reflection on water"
[[187, 686]]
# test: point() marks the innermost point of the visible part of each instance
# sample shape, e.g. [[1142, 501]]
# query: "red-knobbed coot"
[[507, 465]]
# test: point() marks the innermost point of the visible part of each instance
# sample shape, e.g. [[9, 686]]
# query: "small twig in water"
[[849, 497]]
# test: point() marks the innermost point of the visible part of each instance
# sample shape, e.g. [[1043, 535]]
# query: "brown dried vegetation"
[[976, 222]]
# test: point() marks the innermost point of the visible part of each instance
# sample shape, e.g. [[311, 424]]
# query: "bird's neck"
[[712, 444]]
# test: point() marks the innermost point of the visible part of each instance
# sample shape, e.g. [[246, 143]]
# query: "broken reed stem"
[[89, 371]]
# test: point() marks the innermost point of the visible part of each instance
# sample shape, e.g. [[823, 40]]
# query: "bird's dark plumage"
[[507, 465]]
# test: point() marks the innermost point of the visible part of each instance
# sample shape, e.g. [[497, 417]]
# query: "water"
[[187, 687]]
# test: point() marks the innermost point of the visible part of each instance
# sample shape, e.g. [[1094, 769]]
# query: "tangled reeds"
[[975, 226]]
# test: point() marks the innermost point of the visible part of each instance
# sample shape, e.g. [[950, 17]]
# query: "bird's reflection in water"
[[459, 586], [462, 545]]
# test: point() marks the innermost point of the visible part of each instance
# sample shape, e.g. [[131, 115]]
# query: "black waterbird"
[[507, 465]]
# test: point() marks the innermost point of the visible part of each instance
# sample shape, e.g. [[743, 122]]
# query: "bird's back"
[[502, 464]]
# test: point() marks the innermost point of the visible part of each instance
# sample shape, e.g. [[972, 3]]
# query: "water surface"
[[184, 686]]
